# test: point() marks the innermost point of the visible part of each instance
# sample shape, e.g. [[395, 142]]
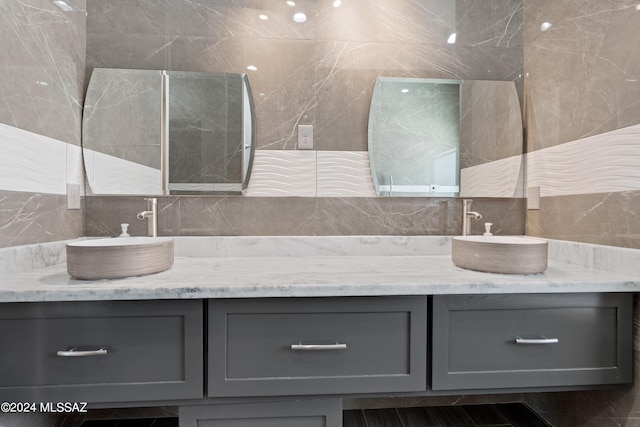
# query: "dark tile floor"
[[140, 422], [499, 415]]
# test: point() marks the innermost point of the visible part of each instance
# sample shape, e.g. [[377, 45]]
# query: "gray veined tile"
[[28, 218]]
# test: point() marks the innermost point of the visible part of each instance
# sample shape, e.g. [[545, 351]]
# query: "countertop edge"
[[573, 268]]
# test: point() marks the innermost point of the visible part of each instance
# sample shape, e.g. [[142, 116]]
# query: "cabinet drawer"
[[516, 341], [317, 346], [299, 413], [101, 351]]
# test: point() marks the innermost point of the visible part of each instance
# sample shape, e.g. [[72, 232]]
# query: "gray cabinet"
[[487, 342], [273, 357], [302, 346], [299, 413], [101, 351]]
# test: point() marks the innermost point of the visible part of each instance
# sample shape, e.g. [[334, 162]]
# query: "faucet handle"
[[151, 202]]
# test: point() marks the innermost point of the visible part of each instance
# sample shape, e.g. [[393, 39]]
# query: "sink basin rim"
[[503, 240], [119, 241]]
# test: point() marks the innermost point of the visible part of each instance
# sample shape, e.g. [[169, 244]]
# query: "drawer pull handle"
[[536, 340], [76, 353], [316, 347]]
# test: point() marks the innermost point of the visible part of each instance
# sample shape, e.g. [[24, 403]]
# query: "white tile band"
[[308, 173], [499, 178], [605, 163], [35, 163]]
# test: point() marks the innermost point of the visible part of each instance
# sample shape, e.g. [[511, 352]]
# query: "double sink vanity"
[[263, 331]]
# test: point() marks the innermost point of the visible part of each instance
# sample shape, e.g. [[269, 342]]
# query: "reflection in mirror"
[[444, 138], [122, 132], [159, 133], [414, 133], [491, 140], [209, 145]]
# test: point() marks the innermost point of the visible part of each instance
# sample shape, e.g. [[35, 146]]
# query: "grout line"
[[400, 418]]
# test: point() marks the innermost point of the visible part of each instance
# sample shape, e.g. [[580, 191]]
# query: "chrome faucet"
[[467, 215], [151, 215]]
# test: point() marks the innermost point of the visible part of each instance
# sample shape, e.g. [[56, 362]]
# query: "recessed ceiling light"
[[300, 17], [291, 3], [41, 83], [252, 68], [263, 17], [337, 3], [404, 90], [545, 26], [452, 38], [63, 5]]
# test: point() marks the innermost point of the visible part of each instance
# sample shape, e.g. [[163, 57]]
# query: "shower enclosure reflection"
[[167, 132], [445, 138]]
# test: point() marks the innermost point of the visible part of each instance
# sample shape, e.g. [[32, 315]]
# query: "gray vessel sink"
[[118, 257], [500, 254]]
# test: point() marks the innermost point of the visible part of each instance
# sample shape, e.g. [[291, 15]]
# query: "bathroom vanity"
[[267, 345]]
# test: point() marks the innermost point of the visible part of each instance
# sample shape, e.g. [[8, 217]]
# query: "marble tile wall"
[[307, 216], [581, 116], [43, 60], [112, 123], [320, 72]]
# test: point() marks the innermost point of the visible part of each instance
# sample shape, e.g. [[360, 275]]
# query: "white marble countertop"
[[417, 267]]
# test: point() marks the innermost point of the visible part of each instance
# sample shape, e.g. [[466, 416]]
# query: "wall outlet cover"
[[305, 137], [533, 198]]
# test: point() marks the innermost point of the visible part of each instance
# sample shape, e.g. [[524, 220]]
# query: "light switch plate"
[[533, 198], [73, 196]]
